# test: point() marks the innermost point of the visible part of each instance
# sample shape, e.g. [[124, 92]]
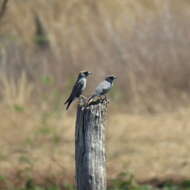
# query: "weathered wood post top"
[[90, 146]]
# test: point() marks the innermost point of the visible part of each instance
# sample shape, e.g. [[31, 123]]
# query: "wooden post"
[[90, 147]]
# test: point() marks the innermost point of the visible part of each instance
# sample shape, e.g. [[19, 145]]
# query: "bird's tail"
[[68, 104], [66, 101]]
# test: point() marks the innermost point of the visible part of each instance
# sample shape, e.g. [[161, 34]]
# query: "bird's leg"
[[105, 99], [83, 97], [82, 100], [100, 98]]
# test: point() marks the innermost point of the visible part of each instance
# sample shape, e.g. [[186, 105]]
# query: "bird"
[[78, 87], [103, 87]]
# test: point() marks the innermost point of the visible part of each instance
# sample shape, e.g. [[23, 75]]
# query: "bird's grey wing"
[[77, 90], [103, 88]]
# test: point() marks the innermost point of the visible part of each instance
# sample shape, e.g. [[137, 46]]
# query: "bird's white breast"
[[103, 87], [83, 80]]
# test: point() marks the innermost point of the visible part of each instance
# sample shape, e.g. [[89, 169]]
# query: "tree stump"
[[90, 146]]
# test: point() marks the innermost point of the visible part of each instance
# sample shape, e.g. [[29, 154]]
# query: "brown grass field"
[[40, 145], [44, 44]]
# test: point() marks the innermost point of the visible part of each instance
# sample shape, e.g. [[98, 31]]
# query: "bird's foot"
[[83, 97], [105, 99], [83, 100]]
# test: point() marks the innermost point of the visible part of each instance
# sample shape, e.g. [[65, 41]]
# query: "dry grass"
[[139, 41], [16, 92], [150, 146], [40, 145], [43, 44]]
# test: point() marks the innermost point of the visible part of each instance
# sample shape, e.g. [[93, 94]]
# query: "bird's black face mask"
[[85, 73], [110, 78]]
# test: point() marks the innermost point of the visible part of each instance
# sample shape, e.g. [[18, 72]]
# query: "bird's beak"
[[115, 77], [89, 73]]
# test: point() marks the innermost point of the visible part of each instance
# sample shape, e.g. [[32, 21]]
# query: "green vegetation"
[[117, 184]]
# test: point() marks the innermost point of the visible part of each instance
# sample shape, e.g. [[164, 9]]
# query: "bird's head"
[[110, 78], [84, 74]]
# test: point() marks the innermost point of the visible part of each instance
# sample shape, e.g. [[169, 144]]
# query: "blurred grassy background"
[[144, 42], [44, 44]]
